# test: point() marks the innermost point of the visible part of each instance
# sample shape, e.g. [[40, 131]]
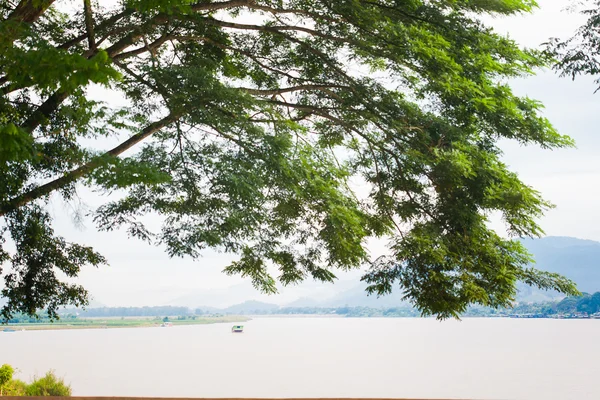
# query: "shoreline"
[[118, 323], [151, 322]]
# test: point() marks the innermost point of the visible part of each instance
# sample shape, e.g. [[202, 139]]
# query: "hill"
[[577, 259], [574, 258], [217, 298], [251, 307], [357, 297]]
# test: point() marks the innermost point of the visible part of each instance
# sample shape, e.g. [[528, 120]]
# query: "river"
[[323, 357]]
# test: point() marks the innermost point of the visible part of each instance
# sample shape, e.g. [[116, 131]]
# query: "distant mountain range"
[[353, 297], [251, 307], [576, 259]]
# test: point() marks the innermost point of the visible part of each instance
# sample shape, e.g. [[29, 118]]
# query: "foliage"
[[123, 322], [247, 122], [134, 311], [583, 304], [48, 385], [580, 54], [14, 387], [586, 303], [6, 374], [24, 318]]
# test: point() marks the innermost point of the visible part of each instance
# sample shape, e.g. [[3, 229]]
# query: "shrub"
[[6, 374], [49, 385], [15, 387]]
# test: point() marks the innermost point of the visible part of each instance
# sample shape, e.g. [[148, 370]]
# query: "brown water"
[[328, 357]]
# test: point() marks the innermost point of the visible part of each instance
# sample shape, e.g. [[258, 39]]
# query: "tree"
[[6, 374], [580, 54], [246, 125]]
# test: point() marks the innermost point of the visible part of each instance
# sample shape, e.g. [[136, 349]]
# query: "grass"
[[118, 322]]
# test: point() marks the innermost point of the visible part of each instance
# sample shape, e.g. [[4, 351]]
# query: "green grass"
[[141, 322]]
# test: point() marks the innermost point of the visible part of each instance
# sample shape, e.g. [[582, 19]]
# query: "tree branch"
[[222, 5], [277, 29], [115, 18], [272, 92], [45, 110], [29, 10], [294, 11], [111, 21], [150, 47], [89, 24], [79, 172], [55, 100]]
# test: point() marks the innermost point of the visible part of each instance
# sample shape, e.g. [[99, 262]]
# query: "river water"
[[323, 357]]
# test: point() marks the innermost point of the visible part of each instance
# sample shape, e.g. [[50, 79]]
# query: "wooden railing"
[[206, 398]]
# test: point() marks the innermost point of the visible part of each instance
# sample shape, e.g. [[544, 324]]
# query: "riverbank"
[[130, 322]]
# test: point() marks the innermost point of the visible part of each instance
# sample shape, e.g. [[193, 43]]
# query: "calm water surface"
[[329, 357]]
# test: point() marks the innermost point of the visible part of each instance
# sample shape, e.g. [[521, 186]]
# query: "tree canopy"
[[285, 131]]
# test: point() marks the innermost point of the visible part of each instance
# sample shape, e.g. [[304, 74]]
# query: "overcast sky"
[[143, 275]]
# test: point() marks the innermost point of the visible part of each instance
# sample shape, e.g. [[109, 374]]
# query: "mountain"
[[529, 294], [216, 298], [574, 258], [577, 259], [95, 303], [358, 297], [304, 302], [251, 307], [207, 310]]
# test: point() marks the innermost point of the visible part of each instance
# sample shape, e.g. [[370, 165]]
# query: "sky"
[[140, 274], [566, 177]]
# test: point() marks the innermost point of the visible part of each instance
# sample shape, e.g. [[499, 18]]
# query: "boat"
[[237, 329], [8, 330], [166, 325]]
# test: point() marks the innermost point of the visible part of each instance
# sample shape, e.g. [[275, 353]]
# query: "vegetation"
[[48, 385], [580, 54], [133, 311], [585, 304], [6, 374], [15, 387], [130, 317], [589, 304], [73, 322], [245, 137]]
